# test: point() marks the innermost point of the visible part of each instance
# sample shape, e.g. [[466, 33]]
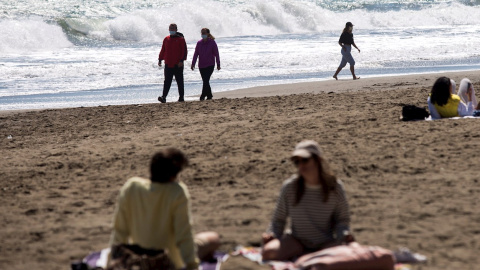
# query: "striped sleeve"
[[279, 219], [341, 213]]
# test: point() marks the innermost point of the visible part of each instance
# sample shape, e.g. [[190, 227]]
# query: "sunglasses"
[[298, 161]]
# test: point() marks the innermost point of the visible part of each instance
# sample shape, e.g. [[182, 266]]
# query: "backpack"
[[412, 112]]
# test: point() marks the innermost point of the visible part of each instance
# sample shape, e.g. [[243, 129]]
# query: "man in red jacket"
[[174, 52]]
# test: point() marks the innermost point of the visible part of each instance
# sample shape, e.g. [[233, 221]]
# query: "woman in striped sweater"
[[316, 204]]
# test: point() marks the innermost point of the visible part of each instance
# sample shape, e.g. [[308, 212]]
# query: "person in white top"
[[443, 104], [466, 85]]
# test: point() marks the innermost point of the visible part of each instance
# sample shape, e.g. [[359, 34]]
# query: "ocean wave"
[[144, 21], [30, 35]]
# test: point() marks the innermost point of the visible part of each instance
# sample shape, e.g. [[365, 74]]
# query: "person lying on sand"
[[154, 214], [443, 104], [311, 198], [465, 87]]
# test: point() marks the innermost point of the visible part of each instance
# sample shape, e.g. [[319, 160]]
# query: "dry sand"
[[413, 184]]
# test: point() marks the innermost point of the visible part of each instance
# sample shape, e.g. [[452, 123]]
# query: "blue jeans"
[[347, 56]]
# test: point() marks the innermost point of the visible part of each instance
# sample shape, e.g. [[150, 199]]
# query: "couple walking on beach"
[[174, 52]]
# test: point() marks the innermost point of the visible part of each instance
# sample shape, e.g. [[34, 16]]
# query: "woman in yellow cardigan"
[[154, 214], [443, 104]]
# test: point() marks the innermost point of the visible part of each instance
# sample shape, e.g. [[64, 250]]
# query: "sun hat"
[[306, 149]]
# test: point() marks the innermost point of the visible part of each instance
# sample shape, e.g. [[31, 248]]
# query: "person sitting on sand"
[[346, 42], [443, 104], [315, 201], [154, 214], [465, 85]]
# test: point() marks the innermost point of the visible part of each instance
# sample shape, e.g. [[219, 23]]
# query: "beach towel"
[[218, 258], [453, 118], [403, 262], [98, 260], [353, 257]]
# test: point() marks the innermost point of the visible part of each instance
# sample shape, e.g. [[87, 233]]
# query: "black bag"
[[133, 257], [412, 112]]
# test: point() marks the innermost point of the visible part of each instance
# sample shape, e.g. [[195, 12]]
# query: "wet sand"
[[413, 184]]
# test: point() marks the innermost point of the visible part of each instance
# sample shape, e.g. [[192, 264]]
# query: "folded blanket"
[[341, 257]]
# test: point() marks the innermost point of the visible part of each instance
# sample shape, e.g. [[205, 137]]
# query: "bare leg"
[[336, 73], [283, 249], [207, 243], [352, 69]]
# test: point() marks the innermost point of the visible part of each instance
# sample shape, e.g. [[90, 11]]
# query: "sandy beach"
[[409, 184]]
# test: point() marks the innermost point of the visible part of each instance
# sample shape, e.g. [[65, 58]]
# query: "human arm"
[[161, 55], [195, 56], [342, 215], [279, 219], [120, 233], [216, 54], [354, 45], [433, 111], [185, 52], [183, 230]]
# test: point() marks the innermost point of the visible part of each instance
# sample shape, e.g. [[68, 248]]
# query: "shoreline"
[[323, 86]]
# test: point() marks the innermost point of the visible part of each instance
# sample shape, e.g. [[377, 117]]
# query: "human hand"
[[218, 68], [469, 94], [159, 63], [180, 64], [267, 237], [358, 50], [347, 239], [344, 49], [192, 67]]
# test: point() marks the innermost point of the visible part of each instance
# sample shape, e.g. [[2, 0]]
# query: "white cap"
[[307, 148]]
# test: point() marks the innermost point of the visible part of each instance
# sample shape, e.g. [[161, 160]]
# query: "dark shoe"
[[208, 98], [202, 98], [181, 100], [161, 99]]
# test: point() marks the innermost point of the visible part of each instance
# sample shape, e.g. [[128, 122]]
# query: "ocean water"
[[72, 53]]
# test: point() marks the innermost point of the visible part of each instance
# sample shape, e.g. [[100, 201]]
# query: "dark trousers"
[[206, 73], [169, 73]]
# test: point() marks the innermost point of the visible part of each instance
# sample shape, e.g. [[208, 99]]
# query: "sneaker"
[[161, 99]]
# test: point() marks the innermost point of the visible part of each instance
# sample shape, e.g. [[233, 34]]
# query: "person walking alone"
[[346, 42], [207, 52], [174, 52]]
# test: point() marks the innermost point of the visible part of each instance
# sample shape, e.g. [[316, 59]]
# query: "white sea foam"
[[30, 35], [107, 51], [272, 18]]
